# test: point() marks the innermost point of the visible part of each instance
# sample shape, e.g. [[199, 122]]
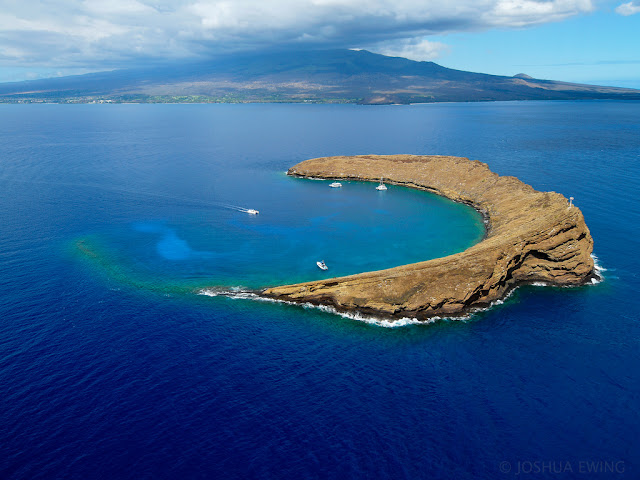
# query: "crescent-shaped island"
[[531, 237]]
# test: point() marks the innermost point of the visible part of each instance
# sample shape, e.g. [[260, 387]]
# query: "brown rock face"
[[531, 237]]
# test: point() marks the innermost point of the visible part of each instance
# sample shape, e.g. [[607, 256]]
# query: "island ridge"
[[531, 237]]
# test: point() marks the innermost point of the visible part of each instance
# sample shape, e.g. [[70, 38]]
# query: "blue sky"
[[586, 41], [601, 48]]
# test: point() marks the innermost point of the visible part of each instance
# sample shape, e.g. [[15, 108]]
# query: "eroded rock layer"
[[531, 237]]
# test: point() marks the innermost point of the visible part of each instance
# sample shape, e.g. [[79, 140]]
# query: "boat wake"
[[236, 208]]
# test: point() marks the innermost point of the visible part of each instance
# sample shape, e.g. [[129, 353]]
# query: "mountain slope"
[[318, 76]]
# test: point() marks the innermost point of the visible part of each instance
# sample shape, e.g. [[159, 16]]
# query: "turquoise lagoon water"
[[217, 244], [114, 217]]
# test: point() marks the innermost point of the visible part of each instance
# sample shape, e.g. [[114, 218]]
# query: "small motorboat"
[[251, 211], [382, 186], [322, 265], [335, 185]]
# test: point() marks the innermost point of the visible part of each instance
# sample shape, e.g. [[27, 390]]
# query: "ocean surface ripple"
[[118, 360]]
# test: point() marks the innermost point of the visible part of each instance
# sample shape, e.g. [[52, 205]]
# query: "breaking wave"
[[239, 293], [598, 269]]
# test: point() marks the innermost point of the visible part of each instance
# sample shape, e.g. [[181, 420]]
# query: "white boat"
[[382, 186], [322, 265], [251, 211], [335, 185]]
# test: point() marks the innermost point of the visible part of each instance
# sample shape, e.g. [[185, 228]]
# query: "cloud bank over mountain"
[[119, 33]]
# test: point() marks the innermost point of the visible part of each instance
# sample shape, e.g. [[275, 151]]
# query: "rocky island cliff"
[[531, 236]]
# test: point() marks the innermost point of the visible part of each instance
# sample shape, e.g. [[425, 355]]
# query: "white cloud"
[[117, 7], [630, 8], [110, 33], [414, 49], [522, 13]]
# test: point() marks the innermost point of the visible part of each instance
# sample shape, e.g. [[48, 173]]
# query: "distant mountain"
[[345, 76]]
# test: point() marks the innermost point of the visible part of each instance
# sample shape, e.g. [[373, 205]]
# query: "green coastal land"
[[314, 76]]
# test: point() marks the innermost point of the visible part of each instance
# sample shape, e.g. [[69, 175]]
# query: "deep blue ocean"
[[115, 219]]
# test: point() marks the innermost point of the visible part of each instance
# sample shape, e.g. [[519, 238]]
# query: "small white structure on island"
[[570, 202]]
